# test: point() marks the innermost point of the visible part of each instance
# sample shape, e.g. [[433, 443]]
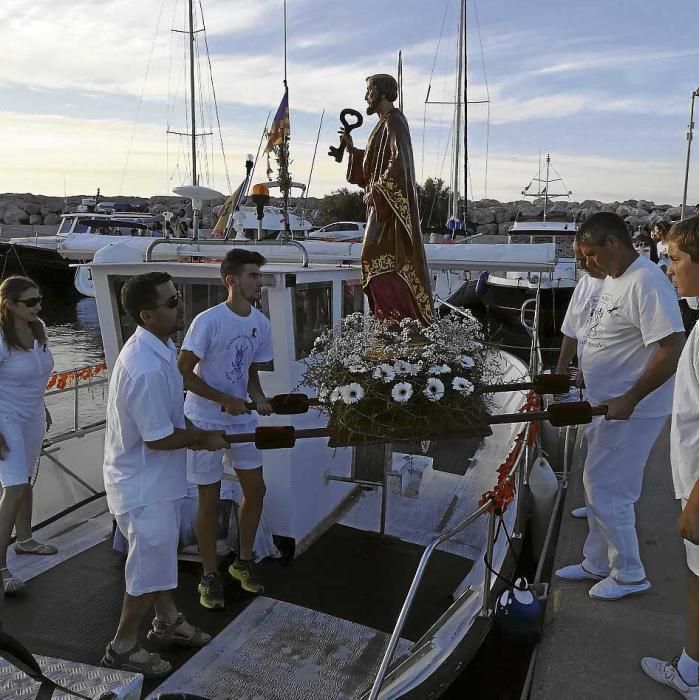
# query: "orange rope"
[[60, 380], [504, 490]]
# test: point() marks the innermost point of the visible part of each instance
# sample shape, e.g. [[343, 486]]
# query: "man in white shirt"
[[145, 472], [632, 343], [682, 673], [218, 361]]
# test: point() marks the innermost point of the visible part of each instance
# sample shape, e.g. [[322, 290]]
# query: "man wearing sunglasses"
[[225, 343], [145, 472]]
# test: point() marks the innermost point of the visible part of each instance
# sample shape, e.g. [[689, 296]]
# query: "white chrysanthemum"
[[385, 373], [351, 393], [462, 385], [402, 367], [323, 394], [335, 394], [466, 361], [357, 369], [434, 389], [439, 369], [402, 392]]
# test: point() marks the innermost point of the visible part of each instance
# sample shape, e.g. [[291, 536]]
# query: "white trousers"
[[617, 452]]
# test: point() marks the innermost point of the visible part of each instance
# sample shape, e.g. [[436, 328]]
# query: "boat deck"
[[592, 649]]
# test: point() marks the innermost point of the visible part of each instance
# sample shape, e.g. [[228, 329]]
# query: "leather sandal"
[[168, 634], [11, 583], [152, 667], [33, 547]]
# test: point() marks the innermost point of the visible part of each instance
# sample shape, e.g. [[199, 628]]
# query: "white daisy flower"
[[402, 367], [466, 361], [351, 393], [402, 392], [462, 385], [385, 373], [434, 389], [335, 394], [357, 369], [439, 369]]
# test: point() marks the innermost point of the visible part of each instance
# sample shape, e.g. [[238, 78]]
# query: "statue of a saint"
[[394, 269]]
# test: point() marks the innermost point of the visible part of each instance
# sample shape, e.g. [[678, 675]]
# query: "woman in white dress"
[[25, 365]]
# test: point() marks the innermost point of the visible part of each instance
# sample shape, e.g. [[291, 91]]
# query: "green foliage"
[[433, 200], [341, 205]]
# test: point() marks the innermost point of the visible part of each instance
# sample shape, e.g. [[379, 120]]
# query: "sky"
[[88, 90]]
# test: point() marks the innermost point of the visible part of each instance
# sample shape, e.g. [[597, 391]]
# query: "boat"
[[385, 593]]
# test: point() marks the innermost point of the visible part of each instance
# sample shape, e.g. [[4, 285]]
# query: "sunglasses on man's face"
[[172, 302], [31, 302]]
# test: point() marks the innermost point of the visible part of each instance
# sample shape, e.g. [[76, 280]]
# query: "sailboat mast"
[[465, 65], [546, 188], [457, 120], [191, 90]]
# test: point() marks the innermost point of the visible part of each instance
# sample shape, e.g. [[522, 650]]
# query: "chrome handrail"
[[417, 578], [218, 241]]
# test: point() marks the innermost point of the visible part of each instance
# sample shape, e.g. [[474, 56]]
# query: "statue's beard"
[[371, 109]]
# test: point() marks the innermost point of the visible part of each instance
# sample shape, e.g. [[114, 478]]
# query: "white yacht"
[[384, 592]]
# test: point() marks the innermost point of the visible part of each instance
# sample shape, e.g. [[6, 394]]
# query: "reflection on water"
[[74, 336]]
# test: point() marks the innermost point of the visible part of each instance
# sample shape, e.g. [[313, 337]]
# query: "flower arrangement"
[[401, 380]]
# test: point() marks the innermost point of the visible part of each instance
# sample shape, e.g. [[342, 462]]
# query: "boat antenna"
[[690, 135], [400, 80], [310, 174]]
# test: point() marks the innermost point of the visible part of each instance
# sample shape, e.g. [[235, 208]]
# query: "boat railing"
[[517, 472], [74, 381], [223, 241]]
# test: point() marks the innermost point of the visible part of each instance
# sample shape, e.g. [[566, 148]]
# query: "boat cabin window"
[[352, 297], [197, 296], [312, 305], [65, 226]]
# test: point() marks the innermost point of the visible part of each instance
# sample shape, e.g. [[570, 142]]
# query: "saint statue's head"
[[380, 87]]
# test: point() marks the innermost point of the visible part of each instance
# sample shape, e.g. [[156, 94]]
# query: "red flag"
[[281, 127]]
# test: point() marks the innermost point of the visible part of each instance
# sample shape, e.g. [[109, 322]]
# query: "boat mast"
[[191, 90], [457, 116], [284, 178], [465, 65], [690, 135], [546, 186]]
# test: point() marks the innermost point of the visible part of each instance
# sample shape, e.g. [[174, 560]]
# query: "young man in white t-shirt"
[[218, 360], [632, 343], [682, 673], [145, 472]]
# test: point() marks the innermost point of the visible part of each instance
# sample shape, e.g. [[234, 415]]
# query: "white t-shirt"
[[661, 248], [684, 433], [582, 305], [146, 403], [634, 312], [23, 378], [226, 345]]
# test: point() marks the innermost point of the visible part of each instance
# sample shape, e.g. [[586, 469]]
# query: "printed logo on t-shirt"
[[595, 323], [242, 351]]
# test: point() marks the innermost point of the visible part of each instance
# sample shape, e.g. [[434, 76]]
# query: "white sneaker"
[[666, 673], [579, 512], [577, 572], [611, 589]]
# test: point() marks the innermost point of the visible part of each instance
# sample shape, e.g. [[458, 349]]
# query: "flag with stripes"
[[281, 127]]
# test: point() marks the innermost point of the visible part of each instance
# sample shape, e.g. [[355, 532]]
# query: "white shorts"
[[207, 467], [692, 551], [24, 439], [153, 534]]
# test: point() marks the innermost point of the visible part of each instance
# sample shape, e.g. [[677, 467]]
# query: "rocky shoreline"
[[486, 216]]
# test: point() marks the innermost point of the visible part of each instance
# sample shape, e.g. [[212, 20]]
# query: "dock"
[[592, 649]]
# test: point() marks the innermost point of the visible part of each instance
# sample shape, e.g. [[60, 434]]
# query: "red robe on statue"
[[394, 268]]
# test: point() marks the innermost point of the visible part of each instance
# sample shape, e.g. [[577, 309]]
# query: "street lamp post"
[[690, 135]]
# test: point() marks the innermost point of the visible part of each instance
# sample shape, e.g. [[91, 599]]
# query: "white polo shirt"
[[146, 403], [23, 377]]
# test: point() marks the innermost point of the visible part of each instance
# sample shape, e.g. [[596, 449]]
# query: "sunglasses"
[[31, 302], [172, 302]]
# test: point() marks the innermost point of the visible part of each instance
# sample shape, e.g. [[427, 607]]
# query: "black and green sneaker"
[[243, 572], [211, 591]]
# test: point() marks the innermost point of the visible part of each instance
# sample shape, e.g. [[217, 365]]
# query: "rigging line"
[[565, 187], [257, 155], [140, 99], [202, 117], [213, 92], [169, 71], [438, 191], [487, 94], [310, 174]]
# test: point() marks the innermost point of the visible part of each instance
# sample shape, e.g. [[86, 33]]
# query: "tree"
[[433, 199], [341, 205]]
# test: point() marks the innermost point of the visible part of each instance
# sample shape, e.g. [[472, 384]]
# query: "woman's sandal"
[[31, 546], [11, 583], [152, 667], [167, 634]]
